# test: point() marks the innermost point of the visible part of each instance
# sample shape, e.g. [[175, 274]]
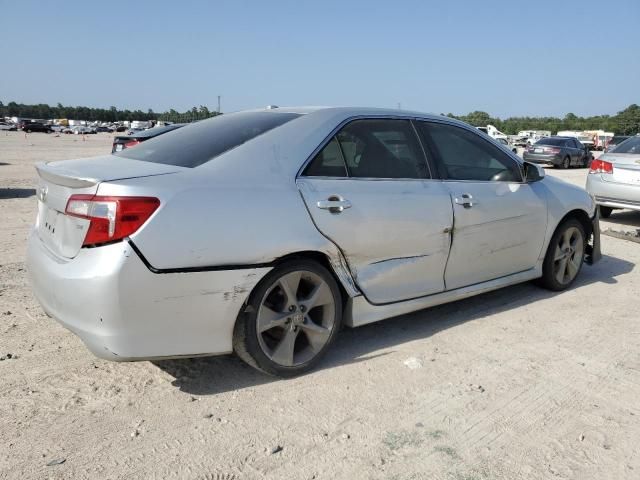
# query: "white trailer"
[[493, 132]]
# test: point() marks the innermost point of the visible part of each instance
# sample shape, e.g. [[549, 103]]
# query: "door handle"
[[335, 204], [466, 200]]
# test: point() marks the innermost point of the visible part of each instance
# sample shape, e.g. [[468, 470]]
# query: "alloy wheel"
[[296, 317], [568, 256]]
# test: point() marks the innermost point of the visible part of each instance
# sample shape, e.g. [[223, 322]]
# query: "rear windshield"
[[202, 141], [558, 142], [630, 145]]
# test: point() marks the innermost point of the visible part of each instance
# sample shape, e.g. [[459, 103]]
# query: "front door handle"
[[466, 200], [335, 204]]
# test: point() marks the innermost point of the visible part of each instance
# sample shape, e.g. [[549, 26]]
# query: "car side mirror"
[[533, 172]]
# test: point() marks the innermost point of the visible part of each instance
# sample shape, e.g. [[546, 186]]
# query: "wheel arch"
[[582, 216], [336, 266]]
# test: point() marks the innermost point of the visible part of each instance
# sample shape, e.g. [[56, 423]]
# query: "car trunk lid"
[[626, 168], [64, 234]]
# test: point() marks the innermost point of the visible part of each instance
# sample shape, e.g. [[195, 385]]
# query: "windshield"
[[202, 141], [558, 142], [630, 145]]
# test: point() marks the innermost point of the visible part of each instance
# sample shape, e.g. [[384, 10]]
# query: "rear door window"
[[382, 148], [328, 162], [202, 141]]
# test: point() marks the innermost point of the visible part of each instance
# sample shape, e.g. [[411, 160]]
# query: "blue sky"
[[504, 57]]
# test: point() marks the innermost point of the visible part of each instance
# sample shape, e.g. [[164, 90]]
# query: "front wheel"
[[290, 320], [564, 257]]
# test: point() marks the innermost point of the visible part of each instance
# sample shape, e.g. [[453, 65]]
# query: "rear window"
[[558, 142], [200, 142], [630, 145]]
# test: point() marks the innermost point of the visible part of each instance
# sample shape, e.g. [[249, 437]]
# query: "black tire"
[[566, 163], [28, 131], [549, 279], [605, 212], [245, 337]]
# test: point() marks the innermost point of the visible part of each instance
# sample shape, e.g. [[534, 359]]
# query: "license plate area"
[[537, 150], [49, 220]]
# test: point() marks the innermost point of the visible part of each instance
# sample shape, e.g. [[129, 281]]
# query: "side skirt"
[[360, 312]]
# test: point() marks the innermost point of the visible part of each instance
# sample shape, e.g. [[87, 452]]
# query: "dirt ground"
[[519, 383]]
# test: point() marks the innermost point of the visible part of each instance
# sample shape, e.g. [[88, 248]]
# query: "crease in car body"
[[342, 267], [400, 259]]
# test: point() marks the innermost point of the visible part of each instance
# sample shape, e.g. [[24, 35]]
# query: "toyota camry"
[[264, 232]]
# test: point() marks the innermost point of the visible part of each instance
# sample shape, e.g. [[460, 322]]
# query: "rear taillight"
[[600, 166], [112, 218], [132, 143]]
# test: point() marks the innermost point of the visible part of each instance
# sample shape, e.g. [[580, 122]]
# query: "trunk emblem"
[[42, 193]]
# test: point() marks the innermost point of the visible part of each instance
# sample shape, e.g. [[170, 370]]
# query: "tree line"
[[112, 114], [625, 122]]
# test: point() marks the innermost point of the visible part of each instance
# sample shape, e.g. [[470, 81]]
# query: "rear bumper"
[[123, 311], [612, 194], [541, 159]]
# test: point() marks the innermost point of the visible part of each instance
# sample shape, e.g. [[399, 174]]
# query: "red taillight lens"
[[600, 166], [112, 218], [132, 143]]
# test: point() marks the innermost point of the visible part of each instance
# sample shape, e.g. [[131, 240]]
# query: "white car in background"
[[614, 177]]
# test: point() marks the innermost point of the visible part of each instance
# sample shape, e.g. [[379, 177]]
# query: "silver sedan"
[[614, 178], [264, 232]]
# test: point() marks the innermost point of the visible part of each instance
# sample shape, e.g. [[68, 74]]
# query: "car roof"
[[350, 111]]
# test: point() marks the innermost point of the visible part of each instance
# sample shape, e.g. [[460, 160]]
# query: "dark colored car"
[[616, 140], [128, 141], [104, 129], [561, 152], [35, 127]]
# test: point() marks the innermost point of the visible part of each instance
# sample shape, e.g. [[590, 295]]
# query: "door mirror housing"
[[533, 172]]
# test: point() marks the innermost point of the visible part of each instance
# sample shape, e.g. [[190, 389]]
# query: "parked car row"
[[131, 140]]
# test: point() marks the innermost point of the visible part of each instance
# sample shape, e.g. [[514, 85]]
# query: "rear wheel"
[[290, 320], [605, 212], [566, 162], [564, 257]]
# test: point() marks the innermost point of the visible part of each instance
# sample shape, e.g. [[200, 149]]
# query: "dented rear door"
[[394, 233]]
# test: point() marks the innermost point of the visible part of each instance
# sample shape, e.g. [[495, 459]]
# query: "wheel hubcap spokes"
[[296, 318], [568, 256]]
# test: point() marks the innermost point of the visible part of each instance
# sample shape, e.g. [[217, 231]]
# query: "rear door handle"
[[466, 200], [335, 204]]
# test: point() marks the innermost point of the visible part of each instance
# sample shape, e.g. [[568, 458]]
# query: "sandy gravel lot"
[[520, 383]]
